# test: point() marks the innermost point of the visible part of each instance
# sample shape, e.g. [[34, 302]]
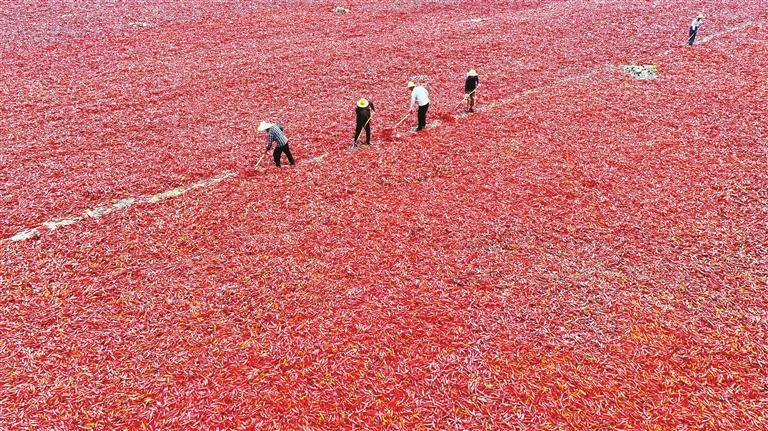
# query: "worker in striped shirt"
[[419, 96], [276, 135], [694, 28]]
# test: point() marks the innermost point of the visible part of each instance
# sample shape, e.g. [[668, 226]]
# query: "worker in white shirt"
[[419, 96], [694, 28]]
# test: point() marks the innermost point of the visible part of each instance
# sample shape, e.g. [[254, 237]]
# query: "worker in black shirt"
[[364, 112], [470, 89]]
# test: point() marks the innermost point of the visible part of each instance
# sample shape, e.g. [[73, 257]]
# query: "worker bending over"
[[276, 135]]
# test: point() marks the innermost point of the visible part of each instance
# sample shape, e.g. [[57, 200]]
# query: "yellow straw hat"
[[264, 126], [472, 72], [362, 103], [411, 84]]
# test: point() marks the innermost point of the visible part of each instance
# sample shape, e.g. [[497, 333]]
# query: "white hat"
[[472, 72], [701, 15], [264, 126]]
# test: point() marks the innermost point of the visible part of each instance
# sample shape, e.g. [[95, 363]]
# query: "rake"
[[387, 133], [260, 158]]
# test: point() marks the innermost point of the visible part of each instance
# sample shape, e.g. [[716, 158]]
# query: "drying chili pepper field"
[[588, 250]]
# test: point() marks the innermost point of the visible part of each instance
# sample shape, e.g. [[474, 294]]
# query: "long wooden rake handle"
[[401, 121], [260, 158]]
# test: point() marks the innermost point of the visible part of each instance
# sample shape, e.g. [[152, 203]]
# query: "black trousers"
[[359, 128], [279, 152], [692, 35], [422, 117]]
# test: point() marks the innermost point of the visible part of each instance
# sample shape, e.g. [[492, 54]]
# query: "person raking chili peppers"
[[694, 28], [419, 96], [363, 113], [470, 89], [276, 135]]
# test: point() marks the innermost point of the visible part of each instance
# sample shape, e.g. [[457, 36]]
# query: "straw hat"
[[472, 72], [411, 84], [264, 126], [701, 15], [362, 103]]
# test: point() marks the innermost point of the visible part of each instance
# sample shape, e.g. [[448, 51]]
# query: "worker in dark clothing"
[[276, 135], [364, 112], [470, 89], [694, 28]]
